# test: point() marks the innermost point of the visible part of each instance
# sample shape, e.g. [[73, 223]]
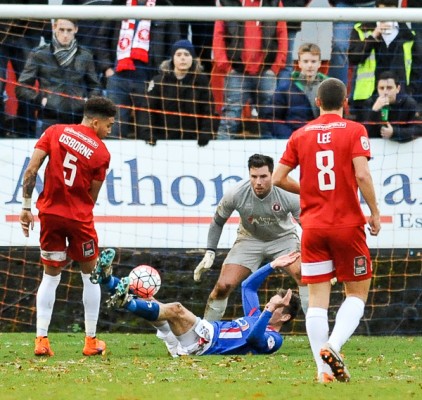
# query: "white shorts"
[[201, 341]]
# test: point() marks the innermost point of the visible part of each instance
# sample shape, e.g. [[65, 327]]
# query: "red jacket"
[[248, 55]]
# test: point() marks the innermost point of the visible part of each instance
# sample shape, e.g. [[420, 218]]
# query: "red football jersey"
[[76, 157], [324, 150]]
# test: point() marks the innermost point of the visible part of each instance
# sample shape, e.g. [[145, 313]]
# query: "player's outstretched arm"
[[285, 260]]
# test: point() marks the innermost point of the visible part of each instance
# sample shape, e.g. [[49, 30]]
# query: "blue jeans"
[[286, 72], [238, 89], [339, 63], [126, 89]]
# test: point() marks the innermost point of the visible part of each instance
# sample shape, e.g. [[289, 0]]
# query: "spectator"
[[178, 103], [399, 122], [201, 32], [294, 100], [140, 47], [384, 46], [103, 32], [339, 62], [66, 76], [293, 27], [251, 53], [417, 28], [17, 38]]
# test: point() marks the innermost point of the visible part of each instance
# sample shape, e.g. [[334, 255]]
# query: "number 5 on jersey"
[[69, 172]]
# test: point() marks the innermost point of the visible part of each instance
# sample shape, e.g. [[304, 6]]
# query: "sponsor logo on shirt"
[[324, 127], [265, 221], [244, 325], [81, 136]]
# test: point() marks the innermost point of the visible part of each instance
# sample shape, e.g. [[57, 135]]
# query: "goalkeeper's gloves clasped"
[[205, 264]]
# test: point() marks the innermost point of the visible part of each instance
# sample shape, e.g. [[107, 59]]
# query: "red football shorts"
[[336, 252], [62, 239]]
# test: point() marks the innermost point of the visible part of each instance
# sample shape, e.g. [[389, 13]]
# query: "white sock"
[[190, 337], [215, 309], [46, 296], [163, 328], [91, 297], [317, 330], [347, 320], [304, 298]]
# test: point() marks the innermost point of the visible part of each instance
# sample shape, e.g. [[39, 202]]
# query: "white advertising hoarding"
[[165, 196]]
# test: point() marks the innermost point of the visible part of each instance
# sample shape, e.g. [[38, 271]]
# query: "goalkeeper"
[[185, 333], [266, 231]]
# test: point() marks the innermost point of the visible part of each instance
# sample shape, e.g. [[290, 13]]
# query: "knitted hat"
[[183, 44]]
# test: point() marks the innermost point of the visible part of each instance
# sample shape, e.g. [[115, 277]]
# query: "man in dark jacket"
[[17, 38], [65, 74], [393, 112]]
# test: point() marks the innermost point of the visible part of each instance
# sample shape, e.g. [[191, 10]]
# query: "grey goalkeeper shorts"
[[252, 253]]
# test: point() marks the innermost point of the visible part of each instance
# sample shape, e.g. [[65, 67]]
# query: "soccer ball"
[[145, 281]]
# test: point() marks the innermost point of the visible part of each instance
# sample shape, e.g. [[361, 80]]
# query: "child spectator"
[[294, 100]]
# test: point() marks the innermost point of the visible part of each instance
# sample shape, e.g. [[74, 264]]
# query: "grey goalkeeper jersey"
[[265, 219]]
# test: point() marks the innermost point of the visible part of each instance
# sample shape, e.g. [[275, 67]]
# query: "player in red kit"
[[333, 154], [77, 164]]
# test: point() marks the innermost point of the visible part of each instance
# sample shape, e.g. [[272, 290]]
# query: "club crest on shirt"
[[360, 266], [276, 207], [88, 248], [364, 142]]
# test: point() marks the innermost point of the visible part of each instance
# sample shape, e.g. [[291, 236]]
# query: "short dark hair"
[[100, 107], [389, 75], [73, 21], [332, 92], [259, 160], [294, 304]]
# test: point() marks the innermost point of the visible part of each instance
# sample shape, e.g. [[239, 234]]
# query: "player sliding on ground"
[[184, 333]]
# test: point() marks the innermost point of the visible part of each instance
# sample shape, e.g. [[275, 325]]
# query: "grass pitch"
[[136, 366]]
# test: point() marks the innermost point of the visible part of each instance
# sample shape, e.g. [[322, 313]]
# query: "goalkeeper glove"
[[206, 263]]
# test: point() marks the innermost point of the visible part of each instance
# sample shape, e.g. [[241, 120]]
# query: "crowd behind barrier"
[[232, 91]]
